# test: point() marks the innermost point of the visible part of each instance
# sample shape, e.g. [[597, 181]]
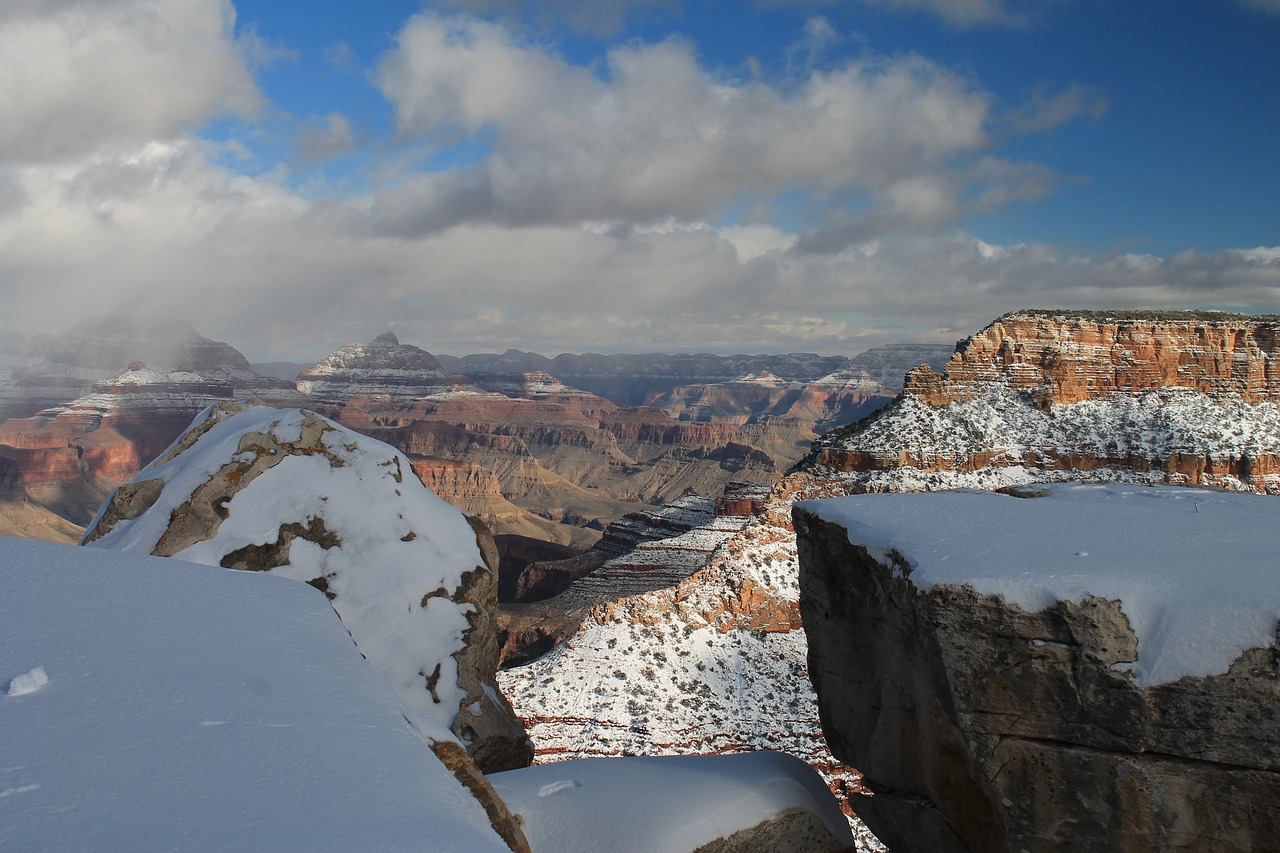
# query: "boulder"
[[290, 493], [1012, 712]]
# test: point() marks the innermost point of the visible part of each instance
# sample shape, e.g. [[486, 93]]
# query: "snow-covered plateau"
[[1195, 570]]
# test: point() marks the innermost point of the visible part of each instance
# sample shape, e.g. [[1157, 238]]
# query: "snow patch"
[[27, 683], [1194, 570]]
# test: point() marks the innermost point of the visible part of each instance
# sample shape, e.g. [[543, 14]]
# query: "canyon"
[[678, 629], [732, 618], [1174, 398], [536, 459]]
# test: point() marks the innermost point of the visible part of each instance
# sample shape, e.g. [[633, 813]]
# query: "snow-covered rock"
[[761, 801], [290, 493], [1065, 667], [159, 705]]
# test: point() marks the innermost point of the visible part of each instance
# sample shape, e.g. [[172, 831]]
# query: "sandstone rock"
[[981, 725], [1176, 398], [288, 492]]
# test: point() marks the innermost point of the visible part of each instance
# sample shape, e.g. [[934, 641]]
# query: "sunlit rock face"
[[289, 493], [686, 640], [1023, 672], [566, 462], [1163, 398]]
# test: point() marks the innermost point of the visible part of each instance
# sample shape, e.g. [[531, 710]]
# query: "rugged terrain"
[[728, 622], [1174, 398], [567, 461], [639, 379], [1022, 672], [506, 439]]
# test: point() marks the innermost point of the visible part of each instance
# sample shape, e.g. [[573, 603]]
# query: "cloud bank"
[[649, 202]]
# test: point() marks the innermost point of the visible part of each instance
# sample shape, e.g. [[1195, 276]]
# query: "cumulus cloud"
[[657, 135], [164, 229], [1046, 110], [81, 74], [604, 211]]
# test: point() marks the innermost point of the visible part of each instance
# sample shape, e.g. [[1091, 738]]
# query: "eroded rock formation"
[[982, 725], [1176, 398], [290, 493]]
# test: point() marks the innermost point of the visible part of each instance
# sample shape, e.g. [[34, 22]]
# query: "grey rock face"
[[981, 726]]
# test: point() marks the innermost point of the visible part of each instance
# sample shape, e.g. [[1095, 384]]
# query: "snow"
[[1195, 570], [1152, 425], [671, 804], [28, 682], [399, 544], [196, 708]]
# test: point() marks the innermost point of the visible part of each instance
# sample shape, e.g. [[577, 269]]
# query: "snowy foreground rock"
[[290, 493], [758, 802], [150, 704], [1074, 667]]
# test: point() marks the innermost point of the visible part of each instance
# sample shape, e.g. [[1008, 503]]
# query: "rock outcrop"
[[1175, 398], [1012, 711], [1066, 357], [689, 643], [290, 493], [573, 458], [638, 379], [796, 411], [68, 457]]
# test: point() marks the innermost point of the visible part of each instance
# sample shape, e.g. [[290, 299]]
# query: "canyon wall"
[[1177, 398]]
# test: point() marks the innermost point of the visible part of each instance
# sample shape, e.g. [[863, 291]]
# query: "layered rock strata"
[[412, 578], [570, 457], [713, 662], [1172, 398], [1014, 711]]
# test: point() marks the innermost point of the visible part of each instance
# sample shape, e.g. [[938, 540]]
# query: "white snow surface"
[[380, 574], [1195, 570], [1152, 424], [671, 804], [202, 709]]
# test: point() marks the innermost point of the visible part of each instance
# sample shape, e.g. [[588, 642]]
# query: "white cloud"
[[657, 135], [162, 229], [83, 74]]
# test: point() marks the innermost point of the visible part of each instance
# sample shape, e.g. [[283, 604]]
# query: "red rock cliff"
[[1064, 357], [1177, 397]]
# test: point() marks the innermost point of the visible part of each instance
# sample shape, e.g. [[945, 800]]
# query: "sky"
[[632, 175]]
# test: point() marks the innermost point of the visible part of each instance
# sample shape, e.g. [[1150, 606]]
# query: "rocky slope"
[[68, 457], [286, 492], [87, 409], [593, 694], [797, 411], [559, 454], [1173, 398], [689, 643]]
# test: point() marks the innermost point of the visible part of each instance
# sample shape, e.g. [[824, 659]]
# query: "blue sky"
[[628, 175]]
